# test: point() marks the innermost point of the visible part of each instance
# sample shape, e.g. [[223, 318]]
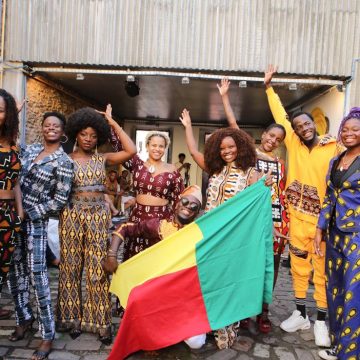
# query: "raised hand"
[[185, 118], [269, 73], [224, 88], [108, 114]]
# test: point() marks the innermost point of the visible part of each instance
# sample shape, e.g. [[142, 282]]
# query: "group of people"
[[41, 180]]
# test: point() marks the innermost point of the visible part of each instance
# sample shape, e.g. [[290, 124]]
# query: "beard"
[[185, 220]]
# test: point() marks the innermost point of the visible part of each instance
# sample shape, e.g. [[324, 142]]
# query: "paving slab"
[[277, 345]]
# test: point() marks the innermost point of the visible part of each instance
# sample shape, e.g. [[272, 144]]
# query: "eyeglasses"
[[193, 206]]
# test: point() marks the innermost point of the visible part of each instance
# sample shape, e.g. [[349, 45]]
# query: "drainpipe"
[[3, 16], [348, 86]]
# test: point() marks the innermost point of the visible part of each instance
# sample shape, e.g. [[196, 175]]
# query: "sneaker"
[[295, 322], [328, 354], [321, 333]]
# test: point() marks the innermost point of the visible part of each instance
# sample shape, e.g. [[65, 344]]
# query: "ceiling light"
[[185, 80], [80, 76], [132, 86], [242, 84], [293, 87]]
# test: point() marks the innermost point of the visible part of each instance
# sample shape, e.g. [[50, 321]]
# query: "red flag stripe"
[[146, 325]]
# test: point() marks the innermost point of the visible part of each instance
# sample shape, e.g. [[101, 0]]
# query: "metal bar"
[[184, 74]]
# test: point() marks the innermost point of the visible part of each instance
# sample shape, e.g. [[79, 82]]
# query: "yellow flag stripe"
[[156, 261]]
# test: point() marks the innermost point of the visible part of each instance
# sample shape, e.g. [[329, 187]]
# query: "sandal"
[[75, 333], [21, 330], [263, 323], [106, 340], [40, 355]]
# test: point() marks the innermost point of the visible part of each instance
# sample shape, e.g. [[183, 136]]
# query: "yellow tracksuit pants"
[[301, 238]]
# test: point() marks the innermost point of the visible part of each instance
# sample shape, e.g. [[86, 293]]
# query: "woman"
[[339, 226], [10, 196], [229, 158], [268, 162], [84, 226], [157, 185], [45, 181]]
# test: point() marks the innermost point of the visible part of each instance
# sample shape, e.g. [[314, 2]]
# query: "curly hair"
[[10, 128], [246, 153], [85, 118]]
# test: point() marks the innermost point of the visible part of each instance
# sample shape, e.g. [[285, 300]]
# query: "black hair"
[[299, 113], [58, 115], [276, 126], [10, 128], [85, 118], [182, 154]]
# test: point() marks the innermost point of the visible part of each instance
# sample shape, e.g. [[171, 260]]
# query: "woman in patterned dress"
[[157, 185], [270, 163], [229, 159], [84, 226], [10, 196], [339, 226]]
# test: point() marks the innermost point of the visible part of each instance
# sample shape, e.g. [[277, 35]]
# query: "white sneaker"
[[295, 322], [328, 354], [321, 333]]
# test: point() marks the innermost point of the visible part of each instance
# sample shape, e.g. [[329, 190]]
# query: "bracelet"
[[111, 256], [112, 252]]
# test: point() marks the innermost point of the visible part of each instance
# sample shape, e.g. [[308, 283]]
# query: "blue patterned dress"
[[340, 219]]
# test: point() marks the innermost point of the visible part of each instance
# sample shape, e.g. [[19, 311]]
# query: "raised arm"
[[129, 148], [223, 90], [277, 109], [190, 140]]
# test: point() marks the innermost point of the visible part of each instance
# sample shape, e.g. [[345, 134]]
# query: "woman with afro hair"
[[229, 158], [84, 225]]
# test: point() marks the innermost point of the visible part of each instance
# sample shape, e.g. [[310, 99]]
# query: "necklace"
[[344, 164], [151, 167]]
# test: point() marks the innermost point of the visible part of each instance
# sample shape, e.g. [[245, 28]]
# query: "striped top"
[[223, 186]]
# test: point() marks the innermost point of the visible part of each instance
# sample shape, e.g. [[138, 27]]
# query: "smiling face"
[[87, 139], [187, 209], [350, 133], [156, 147], [53, 129], [271, 139], [304, 128], [228, 150]]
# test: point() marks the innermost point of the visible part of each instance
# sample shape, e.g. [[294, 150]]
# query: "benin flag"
[[210, 274]]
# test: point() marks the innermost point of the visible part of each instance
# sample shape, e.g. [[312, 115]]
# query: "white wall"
[[332, 105]]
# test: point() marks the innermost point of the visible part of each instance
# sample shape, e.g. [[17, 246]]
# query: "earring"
[[75, 145], [66, 139], [96, 152]]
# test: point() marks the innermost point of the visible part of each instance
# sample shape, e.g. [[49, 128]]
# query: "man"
[[156, 230], [184, 169], [308, 161]]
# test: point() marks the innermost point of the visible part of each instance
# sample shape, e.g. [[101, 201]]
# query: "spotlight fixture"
[[293, 87], [132, 86], [80, 76], [185, 80], [242, 84]]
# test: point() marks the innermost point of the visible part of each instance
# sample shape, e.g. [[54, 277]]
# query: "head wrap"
[[193, 190], [353, 114]]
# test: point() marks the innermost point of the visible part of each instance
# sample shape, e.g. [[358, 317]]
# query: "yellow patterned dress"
[[84, 235], [223, 186]]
